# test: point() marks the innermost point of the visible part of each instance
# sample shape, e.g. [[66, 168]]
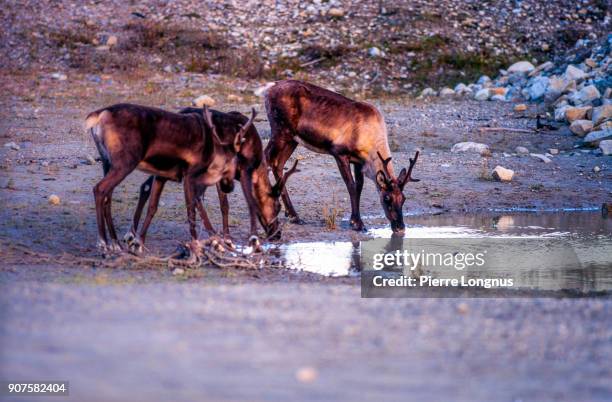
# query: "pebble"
[[596, 169], [606, 147], [553, 151], [521, 67], [336, 12], [482, 94], [54, 199], [521, 107], [111, 41], [541, 157], [474, 147], [178, 271], [375, 52], [521, 150], [306, 374], [581, 127]]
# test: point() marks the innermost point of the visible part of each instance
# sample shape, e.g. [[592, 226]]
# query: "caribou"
[[352, 132], [171, 146], [261, 196]]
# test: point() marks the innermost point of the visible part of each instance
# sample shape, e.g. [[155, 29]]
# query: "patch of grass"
[[331, 214], [536, 188]]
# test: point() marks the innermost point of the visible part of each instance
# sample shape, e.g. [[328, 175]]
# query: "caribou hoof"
[[255, 244], [115, 247], [102, 246], [129, 237], [296, 220], [135, 247], [357, 225]]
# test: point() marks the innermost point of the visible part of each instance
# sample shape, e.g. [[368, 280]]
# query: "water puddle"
[[585, 230]]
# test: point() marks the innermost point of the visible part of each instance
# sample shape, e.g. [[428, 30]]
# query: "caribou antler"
[[240, 136], [280, 184], [412, 163], [213, 129], [385, 163], [406, 175]]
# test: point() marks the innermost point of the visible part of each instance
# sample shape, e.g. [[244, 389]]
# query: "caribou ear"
[[381, 180], [277, 189]]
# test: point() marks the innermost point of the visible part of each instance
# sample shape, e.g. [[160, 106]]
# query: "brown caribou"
[[169, 145], [352, 132], [261, 196]]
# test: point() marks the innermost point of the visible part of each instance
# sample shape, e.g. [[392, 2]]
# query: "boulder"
[[538, 88], [522, 67], [581, 127], [585, 95], [446, 92], [606, 147], [601, 113], [482, 94], [560, 113], [428, 92], [521, 150], [573, 73], [542, 67], [502, 174], [483, 80], [556, 87], [474, 147], [577, 113], [204, 100], [595, 137], [261, 91]]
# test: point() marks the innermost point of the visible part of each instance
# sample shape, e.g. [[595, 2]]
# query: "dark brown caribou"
[[169, 145], [352, 132], [262, 197]]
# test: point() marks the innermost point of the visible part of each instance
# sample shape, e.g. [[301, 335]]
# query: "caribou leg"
[[103, 192], [155, 191], [278, 154], [345, 172], [143, 196]]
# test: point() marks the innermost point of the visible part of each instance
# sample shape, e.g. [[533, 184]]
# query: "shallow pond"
[[588, 233]]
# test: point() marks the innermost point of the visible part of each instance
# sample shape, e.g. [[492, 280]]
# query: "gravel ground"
[[173, 341]]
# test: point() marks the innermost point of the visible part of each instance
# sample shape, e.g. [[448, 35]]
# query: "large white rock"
[[469, 146], [521, 67], [204, 100], [521, 150], [606, 147], [601, 113], [574, 73], [538, 87], [581, 127], [502, 174], [482, 94], [261, 91], [446, 92], [585, 95], [595, 137]]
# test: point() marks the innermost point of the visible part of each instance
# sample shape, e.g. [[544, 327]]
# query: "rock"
[[59, 76], [502, 174], [204, 100], [482, 94], [602, 126], [541, 157], [12, 145], [178, 271], [90, 160], [556, 87], [606, 147], [469, 146], [542, 67], [483, 80], [446, 92], [261, 91], [461, 88], [498, 91], [538, 88], [521, 150], [54, 199], [521, 67], [581, 127], [595, 137], [585, 95], [573, 73], [375, 52], [577, 113], [521, 107], [336, 12], [560, 113], [596, 169], [111, 41], [306, 374], [428, 92], [601, 113], [553, 151], [498, 98], [235, 98]]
